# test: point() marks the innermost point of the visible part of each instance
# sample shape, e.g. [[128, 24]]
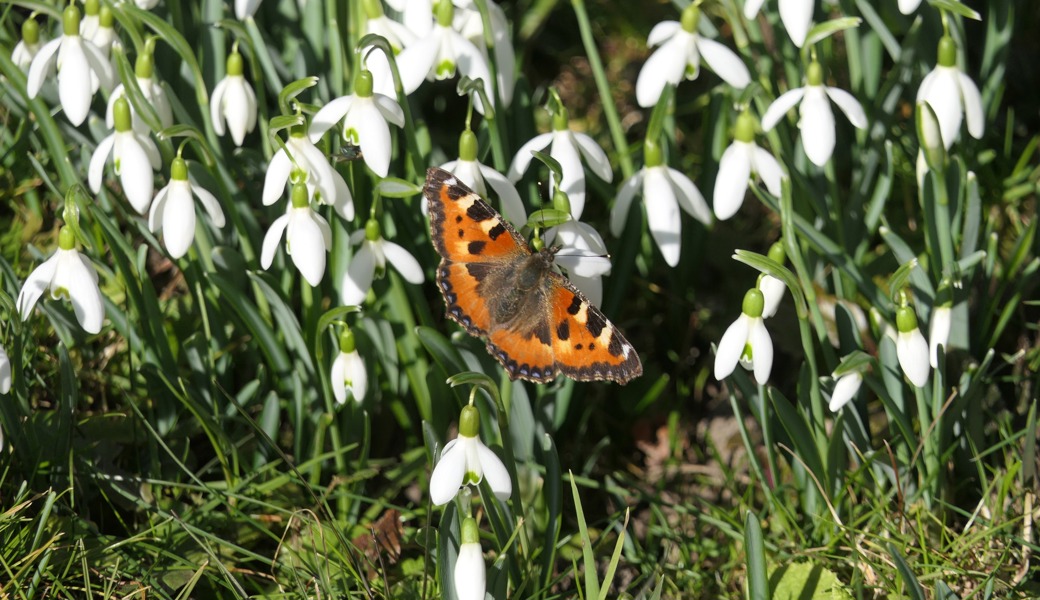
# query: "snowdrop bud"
[[929, 134], [5, 379], [771, 287], [911, 347], [31, 32], [468, 146], [845, 389], [470, 571], [938, 333]]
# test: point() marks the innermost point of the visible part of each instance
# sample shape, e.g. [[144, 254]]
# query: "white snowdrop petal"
[[623, 203], [495, 472], [404, 262], [666, 65], [83, 292], [688, 196], [973, 111], [662, 214], [373, 136], [74, 80], [328, 116], [470, 573], [730, 347], [844, 390], [358, 278], [944, 96], [780, 107], [566, 153], [523, 156], [817, 125], [390, 109], [796, 15], [35, 284], [768, 169], [724, 62], [337, 378], [448, 474], [135, 171], [155, 215], [662, 31], [761, 350], [848, 105], [216, 106], [178, 219], [276, 177], [211, 205], [97, 162], [415, 62], [912, 352], [237, 103], [938, 333], [595, 157], [751, 8], [5, 378], [271, 240], [41, 67], [306, 245], [512, 205], [732, 180]]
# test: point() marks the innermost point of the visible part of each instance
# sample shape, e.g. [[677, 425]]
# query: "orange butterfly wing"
[[551, 328]]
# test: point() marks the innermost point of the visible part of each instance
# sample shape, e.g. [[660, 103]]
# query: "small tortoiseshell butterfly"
[[536, 323]]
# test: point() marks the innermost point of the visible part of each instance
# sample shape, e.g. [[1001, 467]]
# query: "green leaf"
[[588, 556], [546, 218], [826, 29], [913, 586], [807, 580], [957, 8], [771, 267], [754, 548], [392, 187], [442, 350], [294, 89], [856, 360], [550, 162]]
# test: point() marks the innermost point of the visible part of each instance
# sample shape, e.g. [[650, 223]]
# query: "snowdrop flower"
[[470, 24], [323, 182], [437, 55], [911, 348], [307, 237], [952, 95], [5, 378], [796, 15], [567, 147], [133, 158], [772, 288], [146, 4], [88, 26], [742, 159], [908, 6], [417, 15], [466, 460], [377, 22], [679, 55], [938, 333], [746, 341], [470, 570], [152, 92], [370, 261], [816, 120], [664, 190], [845, 389], [478, 177], [30, 44], [174, 211], [364, 115], [348, 371], [75, 60], [245, 9], [67, 274], [103, 36], [233, 100]]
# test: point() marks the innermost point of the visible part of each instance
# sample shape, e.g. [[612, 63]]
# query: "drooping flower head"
[[144, 69], [307, 237], [173, 211], [582, 251], [70, 275], [796, 15], [376, 22], [233, 101], [27, 48], [348, 371], [370, 261], [911, 347], [466, 460], [746, 341], [741, 160], [324, 183], [772, 288], [470, 574], [134, 156], [952, 95], [478, 177]]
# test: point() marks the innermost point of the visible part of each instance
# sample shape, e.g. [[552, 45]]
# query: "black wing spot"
[[476, 247], [458, 218], [455, 192], [575, 306], [563, 330], [615, 347], [592, 347], [542, 333], [478, 271], [577, 346], [478, 211], [496, 231], [596, 322], [462, 234]]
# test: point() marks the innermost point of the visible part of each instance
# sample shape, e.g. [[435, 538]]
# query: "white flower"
[[307, 237], [133, 158], [908, 6], [816, 120], [146, 4], [845, 389], [436, 55], [233, 100], [466, 460], [5, 377], [348, 371], [911, 347], [377, 23], [470, 24], [417, 15], [67, 274], [772, 292], [75, 60], [364, 115], [245, 9], [952, 95], [479, 176], [152, 92], [371, 259], [796, 15], [174, 211], [323, 182], [742, 159], [567, 147], [664, 190], [27, 48], [746, 341], [470, 571], [679, 55], [584, 256], [938, 333]]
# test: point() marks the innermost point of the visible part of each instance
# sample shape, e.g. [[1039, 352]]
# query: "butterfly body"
[[535, 322]]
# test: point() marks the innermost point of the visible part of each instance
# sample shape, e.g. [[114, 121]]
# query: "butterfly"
[[534, 321]]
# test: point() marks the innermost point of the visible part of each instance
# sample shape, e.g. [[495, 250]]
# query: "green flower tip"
[[300, 197], [179, 170], [346, 341], [373, 9], [690, 16], [744, 130], [446, 69], [561, 201], [144, 66], [363, 84], [121, 114], [814, 74], [468, 146], [652, 155], [445, 12], [947, 51], [92, 7], [777, 252], [70, 20], [30, 32], [373, 232], [107, 18], [470, 532], [754, 303], [235, 65], [469, 421], [66, 239], [560, 120], [906, 319]]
